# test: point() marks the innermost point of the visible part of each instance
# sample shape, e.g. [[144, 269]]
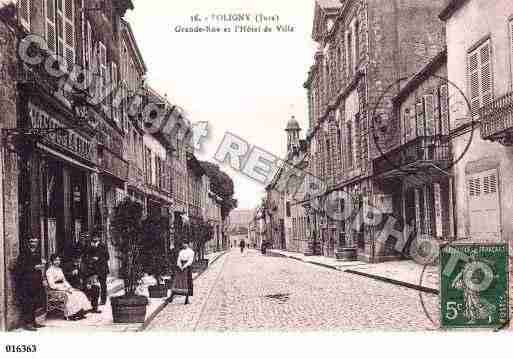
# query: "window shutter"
[[115, 109], [407, 125], [511, 45], [103, 67], [444, 109], [486, 73], [429, 114], [60, 28], [24, 13], [419, 112], [50, 26], [69, 32], [473, 81]]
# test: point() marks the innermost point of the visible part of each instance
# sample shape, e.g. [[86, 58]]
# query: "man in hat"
[[96, 258], [29, 282]]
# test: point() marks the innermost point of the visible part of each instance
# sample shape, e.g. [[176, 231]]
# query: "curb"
[[164, 304], [394, 281], [372, 276]]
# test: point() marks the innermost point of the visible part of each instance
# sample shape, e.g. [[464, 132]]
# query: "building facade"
[[479, 64], [68, 177], [367, 50]]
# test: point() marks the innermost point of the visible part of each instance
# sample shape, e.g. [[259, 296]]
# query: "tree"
[[155, 256], [222, 185], [127, 239]]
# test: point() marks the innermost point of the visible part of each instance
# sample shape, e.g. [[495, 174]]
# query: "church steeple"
[[293, 131]]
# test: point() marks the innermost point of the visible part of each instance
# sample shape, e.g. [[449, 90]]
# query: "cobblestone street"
[[255, 292]]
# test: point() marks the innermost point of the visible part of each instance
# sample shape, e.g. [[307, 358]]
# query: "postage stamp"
[[474, 286]]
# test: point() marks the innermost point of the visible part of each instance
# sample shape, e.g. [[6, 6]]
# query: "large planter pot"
[[346, 254], [158, 291], [129, 309]]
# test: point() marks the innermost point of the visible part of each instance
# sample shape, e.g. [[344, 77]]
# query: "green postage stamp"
[[474, 286]]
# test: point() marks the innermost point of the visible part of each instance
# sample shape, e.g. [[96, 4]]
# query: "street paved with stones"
[[252, 292]]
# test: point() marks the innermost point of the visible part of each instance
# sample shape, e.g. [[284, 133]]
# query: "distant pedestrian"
[[29, 282], [242, 246], [182, 284], [96, 258]]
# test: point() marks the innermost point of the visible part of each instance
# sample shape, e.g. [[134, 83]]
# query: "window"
[[483, 205], [349, 51], [65, 27], [479, 74], [24, 13], [511, 45], [349, 144], [443, 95], [429, 110], [408, 125], [115, 109], [419, 113], [103, 68], [287, 209], [356, 43], [50, 25]]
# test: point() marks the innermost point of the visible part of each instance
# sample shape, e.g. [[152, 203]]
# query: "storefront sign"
[[67, 139]]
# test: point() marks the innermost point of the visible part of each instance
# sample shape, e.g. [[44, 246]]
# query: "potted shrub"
[[127, 239], [156, 260]]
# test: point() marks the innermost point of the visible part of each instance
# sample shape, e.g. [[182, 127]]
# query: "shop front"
[[55, 188]]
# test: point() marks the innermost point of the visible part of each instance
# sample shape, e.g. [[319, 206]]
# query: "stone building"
[[366, 51], [479, 64], [285, 212], [65, 178], [415, 173]]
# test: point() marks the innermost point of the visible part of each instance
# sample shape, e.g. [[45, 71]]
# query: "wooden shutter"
[[444, 110], [60, 27], [480, 77], [115, 84], [485, 53], [483, 201], [51, 26], [473, 81], [429, 111], [69, 32], [103, 67], [511, 45], [419, 113], [24, 13]]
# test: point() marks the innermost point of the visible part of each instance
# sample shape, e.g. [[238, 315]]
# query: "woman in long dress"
[[77, 303], [182, 284]]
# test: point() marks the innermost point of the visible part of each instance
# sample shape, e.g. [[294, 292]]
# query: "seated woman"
[[77, 303]]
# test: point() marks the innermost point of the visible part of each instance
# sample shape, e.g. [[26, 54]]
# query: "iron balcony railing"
[[434, 149], [497, 116]]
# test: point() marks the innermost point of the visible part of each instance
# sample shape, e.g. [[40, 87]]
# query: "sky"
[[249, 84]]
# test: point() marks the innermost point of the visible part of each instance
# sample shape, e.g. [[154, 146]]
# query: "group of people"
[[82, 280]]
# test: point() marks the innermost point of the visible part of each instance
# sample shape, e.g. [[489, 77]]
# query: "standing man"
[[29, 281], [97, 261], [242, 246]]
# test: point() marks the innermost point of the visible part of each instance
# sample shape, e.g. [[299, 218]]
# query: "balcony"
[[419, 154], [497, 120]]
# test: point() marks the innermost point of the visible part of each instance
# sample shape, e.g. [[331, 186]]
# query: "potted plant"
[[156, 259], [127, 239]]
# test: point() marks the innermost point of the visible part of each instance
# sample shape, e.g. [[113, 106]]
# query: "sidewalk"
[[405, 273], [103, 321]]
